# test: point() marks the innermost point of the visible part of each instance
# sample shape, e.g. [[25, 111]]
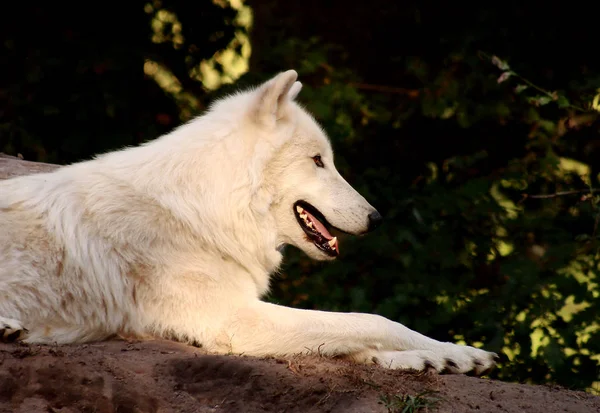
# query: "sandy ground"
[[163, 376]]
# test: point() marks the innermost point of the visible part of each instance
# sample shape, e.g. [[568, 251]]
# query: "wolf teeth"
[[309, 224], [332, 242], [303, 216], [299, 209]]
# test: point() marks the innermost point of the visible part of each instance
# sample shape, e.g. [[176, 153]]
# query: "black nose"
[[375, 219]]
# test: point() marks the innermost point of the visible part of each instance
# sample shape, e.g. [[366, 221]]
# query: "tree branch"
[[413, 93], [561, 193]]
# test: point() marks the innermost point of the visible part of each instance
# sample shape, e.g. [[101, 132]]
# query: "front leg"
[[11, 330], [264, 329]]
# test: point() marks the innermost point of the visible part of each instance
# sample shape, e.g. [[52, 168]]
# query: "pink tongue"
[[318, 226]]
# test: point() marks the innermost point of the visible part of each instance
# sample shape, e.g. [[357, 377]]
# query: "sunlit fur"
[[178, 237]]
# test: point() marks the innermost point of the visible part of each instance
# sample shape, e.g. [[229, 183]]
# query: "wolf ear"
[[274, 95], [295, 89]]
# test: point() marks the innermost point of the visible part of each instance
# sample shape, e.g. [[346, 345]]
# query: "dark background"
[[411, 98]]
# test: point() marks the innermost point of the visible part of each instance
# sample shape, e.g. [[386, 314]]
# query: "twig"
[[506, 69], [551, 95], [413, 93], [561, 193]]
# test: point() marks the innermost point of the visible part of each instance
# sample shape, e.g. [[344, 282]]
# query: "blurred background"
[[472, 127]]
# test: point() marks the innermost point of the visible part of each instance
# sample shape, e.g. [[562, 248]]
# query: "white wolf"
[[177, 238]]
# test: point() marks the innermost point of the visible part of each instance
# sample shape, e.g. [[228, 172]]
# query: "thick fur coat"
[[178, 238]]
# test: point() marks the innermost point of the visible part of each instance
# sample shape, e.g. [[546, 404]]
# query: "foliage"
[[77, 82], [408, 403], [469, 251], [486, 179]]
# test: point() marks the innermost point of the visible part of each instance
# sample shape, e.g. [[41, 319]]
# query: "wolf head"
[[309, 196]]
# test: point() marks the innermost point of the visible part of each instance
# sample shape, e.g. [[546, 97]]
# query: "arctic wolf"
[[177, 238]]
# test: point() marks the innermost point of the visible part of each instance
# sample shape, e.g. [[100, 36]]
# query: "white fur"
[[178, 237]]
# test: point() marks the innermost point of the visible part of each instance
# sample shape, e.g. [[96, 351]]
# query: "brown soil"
[[11, 167], [163, 376]]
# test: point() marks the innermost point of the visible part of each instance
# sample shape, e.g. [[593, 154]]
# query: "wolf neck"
[[219, 207]]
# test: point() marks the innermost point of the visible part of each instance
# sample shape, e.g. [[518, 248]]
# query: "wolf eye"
[[318, 161]]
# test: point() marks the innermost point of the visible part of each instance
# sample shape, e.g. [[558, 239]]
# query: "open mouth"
[[315, 226]]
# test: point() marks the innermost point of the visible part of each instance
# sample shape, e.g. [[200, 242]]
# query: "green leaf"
[[520, 88], [504, 76], [499, 63], [540, 100], [563, 102]]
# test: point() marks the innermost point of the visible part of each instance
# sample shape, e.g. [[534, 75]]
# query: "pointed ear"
[[296, 88], [273, 97]]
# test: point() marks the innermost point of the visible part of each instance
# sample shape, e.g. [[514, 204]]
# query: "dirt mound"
[[162, 376]]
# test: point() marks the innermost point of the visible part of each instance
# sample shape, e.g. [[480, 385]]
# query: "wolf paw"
[[11, 330], [450, 358]]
